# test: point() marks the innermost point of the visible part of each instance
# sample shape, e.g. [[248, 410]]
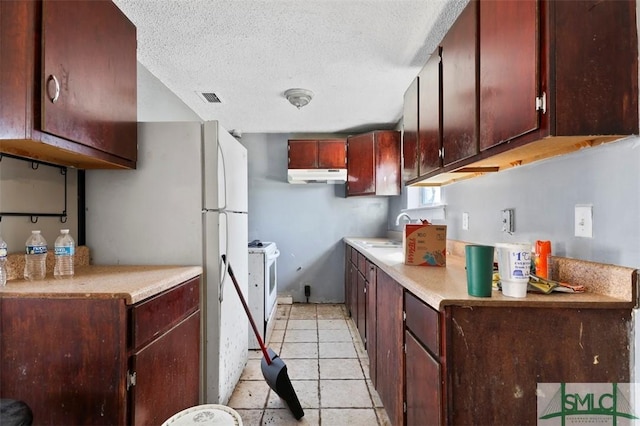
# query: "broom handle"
[[246, 309]]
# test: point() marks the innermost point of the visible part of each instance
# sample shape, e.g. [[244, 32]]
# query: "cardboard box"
[[425, 245]]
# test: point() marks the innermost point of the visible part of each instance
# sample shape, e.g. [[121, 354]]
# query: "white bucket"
[[207, 414], [514, 266]]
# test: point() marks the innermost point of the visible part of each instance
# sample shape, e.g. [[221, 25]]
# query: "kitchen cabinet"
[[410, 118], [317, 154], [572, 83], [100, 361], [373, 163], [481, 362], [430, 115], [423, 365], [509, 34], [460, 87], [68, 80], [498, 356], [389, 350]]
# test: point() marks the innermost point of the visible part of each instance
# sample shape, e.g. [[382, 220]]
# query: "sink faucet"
[[401, 215]]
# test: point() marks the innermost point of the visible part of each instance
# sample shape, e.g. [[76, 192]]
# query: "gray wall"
[[307, 222], [544, 196]]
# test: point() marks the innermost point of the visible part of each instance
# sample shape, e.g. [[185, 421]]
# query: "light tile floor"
[[328, 368]]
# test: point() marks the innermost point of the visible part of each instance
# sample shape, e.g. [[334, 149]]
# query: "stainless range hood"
[[317, 176]]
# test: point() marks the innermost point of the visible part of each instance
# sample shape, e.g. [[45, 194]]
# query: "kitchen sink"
[[382, 244]]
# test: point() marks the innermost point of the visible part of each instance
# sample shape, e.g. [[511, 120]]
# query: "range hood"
[[317, 175]]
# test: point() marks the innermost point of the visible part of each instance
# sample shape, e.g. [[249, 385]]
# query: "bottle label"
[[64, 251], [36, 249], [3, 252]]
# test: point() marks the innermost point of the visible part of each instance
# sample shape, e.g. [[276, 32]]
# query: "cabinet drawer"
[[354, 256], [362, 264], [423, 321], [161, 312]]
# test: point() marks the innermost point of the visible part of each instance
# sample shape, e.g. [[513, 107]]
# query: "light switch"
[[584, 220]]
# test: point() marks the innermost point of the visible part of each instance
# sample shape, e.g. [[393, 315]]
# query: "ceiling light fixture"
[[298, 97]]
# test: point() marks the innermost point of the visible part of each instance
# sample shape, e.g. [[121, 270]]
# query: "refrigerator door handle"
[[223, 263], [223, 175]]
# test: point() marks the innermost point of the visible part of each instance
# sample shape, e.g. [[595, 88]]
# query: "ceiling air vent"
[[210, 97]]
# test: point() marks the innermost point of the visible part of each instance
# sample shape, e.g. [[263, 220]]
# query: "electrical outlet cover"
[[465, 221], [507, 221]]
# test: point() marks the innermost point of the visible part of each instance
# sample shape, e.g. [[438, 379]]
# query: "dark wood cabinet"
[[572, 82], [509, 40], [410, 147], [317, 154], [423, 384], [373, 163], [430, 115], [389, 351], [101, 361], [460, 87], [566, 345], [371, 321], [69, 83]]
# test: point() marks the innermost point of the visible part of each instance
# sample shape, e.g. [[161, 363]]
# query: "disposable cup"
[[514, 288], [479, 262], [514, 261]]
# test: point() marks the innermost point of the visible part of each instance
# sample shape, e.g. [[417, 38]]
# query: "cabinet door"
[[332, 154], [429, 128], [303, 154], [459, 87], [390, 336], [372, 330], [167, 374], [65, 358], [89, 48], [387, 173], [423, 384], [361, 319], [410, 145], [353, 296], [361, 165], [508, 41]]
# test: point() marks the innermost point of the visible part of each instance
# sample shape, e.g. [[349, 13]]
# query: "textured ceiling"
[[357, 56]]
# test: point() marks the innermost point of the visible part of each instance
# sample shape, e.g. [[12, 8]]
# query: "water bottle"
[[64, 249], [3, 262], [35, 265]]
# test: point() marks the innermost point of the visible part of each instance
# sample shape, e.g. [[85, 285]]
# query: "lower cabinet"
[[482, 364], [389, 346], [100, 361]]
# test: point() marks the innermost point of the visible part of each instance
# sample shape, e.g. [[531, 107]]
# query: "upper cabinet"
[[373, 163], [410, 155], [531, 79], [317, 154], [68, 80], [509, 37], [459, 87]]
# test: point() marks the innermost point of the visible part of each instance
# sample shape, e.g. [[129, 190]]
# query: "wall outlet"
[[584, 220], [465, 221], [508, 221]]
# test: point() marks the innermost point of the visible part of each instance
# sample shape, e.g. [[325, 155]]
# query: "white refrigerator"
[[186, 204]]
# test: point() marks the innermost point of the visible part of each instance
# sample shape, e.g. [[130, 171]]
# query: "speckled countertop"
[[131, 283], [608, 286]]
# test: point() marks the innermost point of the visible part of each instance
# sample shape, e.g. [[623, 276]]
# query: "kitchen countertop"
[[132, 283], [442, 286]]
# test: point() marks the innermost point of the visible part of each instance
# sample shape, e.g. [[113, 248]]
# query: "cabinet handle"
[[56, 94]]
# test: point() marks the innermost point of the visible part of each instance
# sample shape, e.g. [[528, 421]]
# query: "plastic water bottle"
[[64, 249], [35, 265], [3, 262]]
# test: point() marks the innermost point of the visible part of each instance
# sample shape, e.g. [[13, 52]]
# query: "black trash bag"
[[15, 413]]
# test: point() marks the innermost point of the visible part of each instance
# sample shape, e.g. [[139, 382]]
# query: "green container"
[[479, 261]]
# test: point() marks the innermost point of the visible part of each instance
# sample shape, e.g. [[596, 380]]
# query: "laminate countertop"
[[131, 283], [607, 286]]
